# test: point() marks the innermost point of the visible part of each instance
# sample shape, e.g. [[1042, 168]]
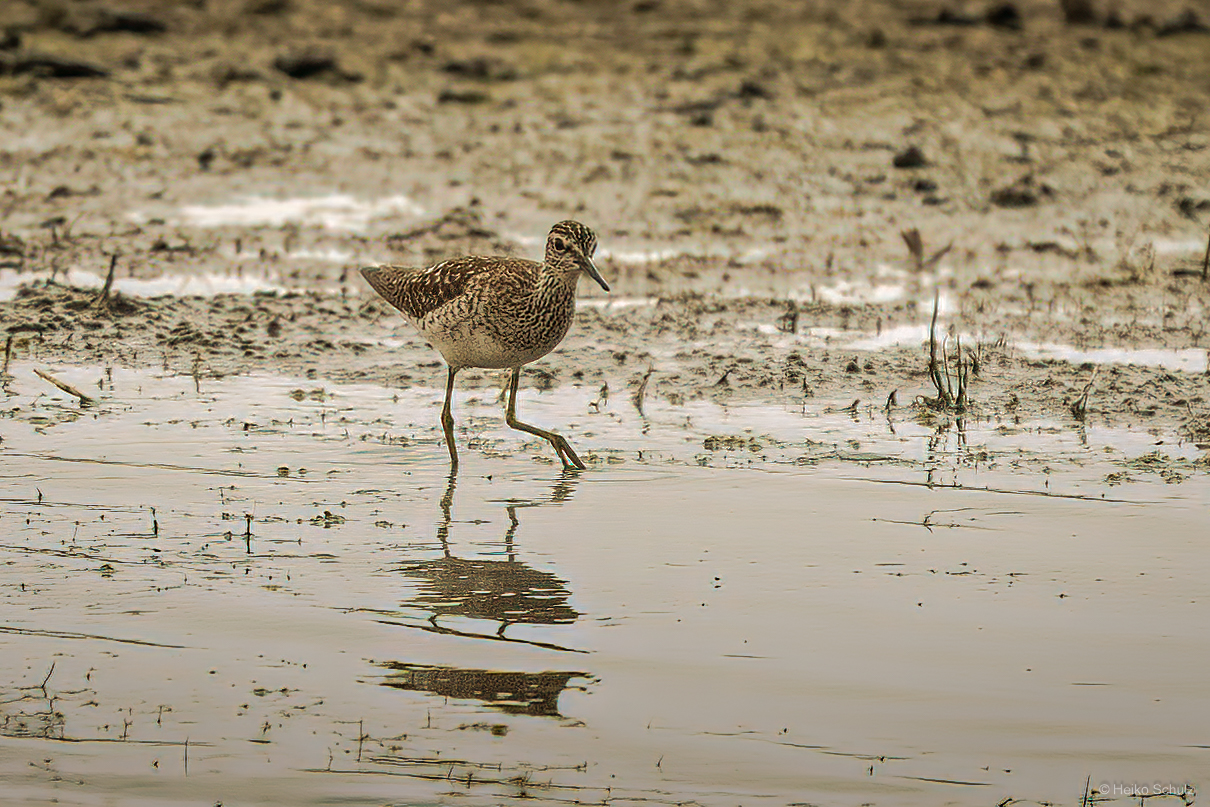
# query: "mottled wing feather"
[[417, 292]]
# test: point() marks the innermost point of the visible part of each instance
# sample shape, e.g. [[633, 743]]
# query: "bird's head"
[[569, 248]]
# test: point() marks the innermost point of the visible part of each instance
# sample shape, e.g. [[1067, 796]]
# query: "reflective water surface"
[[256, 591]]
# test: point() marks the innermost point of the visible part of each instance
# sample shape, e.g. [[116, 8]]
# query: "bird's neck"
[[554, 282]]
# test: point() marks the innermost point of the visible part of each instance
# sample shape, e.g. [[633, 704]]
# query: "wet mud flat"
[[239, 574], [750, 171], [257, 590], [630, 351]]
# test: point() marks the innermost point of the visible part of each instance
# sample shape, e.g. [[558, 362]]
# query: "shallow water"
[[204, 285], [1190, 360], [336, 211], [734, 605]]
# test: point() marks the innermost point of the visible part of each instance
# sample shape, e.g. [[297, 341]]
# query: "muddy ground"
[[749, 169]]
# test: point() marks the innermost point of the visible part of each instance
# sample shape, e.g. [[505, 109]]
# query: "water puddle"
[[261, 589], [653, 256], [1190, 360], [180, 285], [337, 211], [898, 336], [1177, 246], [615, 302], [857, 292]]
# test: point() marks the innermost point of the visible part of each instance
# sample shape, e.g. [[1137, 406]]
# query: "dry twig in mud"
[[68, 388], [1079, 407], [196, 372], [915, 245], [1206, 260], [1203, 272], [788, 322], [602, 400], [951, 390], [49, 673], [641, 392], [8, 354], [1138, 267], [101, 301], [851, 409]]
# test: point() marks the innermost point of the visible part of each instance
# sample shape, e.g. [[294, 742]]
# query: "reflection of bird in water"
[[495, 313], [512, 692], [505, 591]]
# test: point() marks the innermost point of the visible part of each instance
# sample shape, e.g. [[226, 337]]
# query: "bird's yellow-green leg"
[[447, 422], [561, 446]]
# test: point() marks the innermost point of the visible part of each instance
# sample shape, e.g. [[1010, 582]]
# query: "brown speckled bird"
[[495, 313]]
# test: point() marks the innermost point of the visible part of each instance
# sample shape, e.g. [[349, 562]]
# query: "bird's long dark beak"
[[591, 269]]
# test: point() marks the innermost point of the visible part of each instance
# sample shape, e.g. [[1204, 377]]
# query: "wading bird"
[[495, 313]]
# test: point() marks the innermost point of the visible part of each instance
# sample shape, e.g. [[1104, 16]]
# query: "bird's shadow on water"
[[503, 592]]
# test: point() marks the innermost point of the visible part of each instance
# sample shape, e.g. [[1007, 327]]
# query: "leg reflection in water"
[[506, 592]]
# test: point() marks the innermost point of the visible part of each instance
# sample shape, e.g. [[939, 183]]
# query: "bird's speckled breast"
[[502, 324]]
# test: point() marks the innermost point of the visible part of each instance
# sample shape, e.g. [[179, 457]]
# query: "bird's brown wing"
[[416, 292]]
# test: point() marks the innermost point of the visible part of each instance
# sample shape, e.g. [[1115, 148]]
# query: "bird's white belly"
[[462, 346]]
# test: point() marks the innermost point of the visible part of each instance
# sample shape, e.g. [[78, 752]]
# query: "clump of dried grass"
[[950, 379]]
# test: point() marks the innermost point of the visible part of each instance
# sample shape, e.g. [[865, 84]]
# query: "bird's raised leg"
[[562, 448], [447, 422]]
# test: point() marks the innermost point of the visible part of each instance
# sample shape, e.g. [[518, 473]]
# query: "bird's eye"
[[559, 244]]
